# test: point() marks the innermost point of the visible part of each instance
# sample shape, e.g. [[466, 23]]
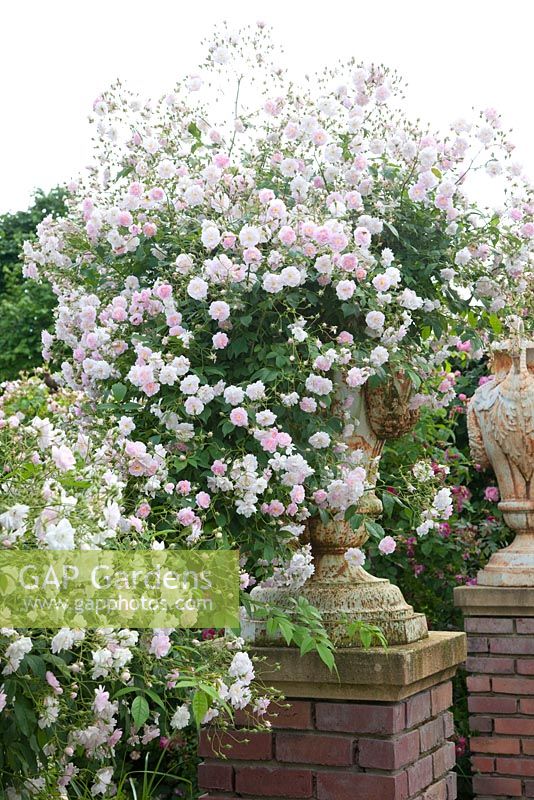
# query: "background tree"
[[25, 306]]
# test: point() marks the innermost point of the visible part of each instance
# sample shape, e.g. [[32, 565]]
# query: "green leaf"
[[365, 637], [388, 502], [356, 521], [307, 644], [37, 665], [194, 130], [118, 390], [124, 172], [495, 323], [374, 528], [426, 330], [140, 711], [286, 629], [200, 705], [155, 697], [326, 656], [24, 716]]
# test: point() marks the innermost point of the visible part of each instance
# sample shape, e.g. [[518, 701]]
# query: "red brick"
[[489, 625], [237, 744], [216, 776], [274, 782], [314, 748], [452, 786], [418, 709], [361, 785], [389, 753], [297, 716], [436, 792], [525, 666], [518, 645], [477, 644], [478, 683], [448, 724], [523, 727], [492, 704], [492, 666], [529, 788], [211, 796], [526, 706], [441, 698], [494, 744], [524, 625], [420, 775], [527, 747], [444, 759], [483, 784], [516, 686], [516, 766], [480, 724], [360, 718], [430, 734], [483, 763]]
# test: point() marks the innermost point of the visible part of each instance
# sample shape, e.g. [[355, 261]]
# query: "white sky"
[[57, 55]]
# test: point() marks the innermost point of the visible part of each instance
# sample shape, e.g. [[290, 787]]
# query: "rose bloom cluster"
[[240, 254], [63, 489], [220, 274]]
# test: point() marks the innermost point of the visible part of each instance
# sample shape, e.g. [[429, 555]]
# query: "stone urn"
[[344, 593], [500, 421]]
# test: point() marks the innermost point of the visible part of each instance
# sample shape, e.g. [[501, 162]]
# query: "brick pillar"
[[380, 732], [500, 639]]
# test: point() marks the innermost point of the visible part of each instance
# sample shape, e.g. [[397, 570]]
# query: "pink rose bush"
[[219, 275], [217, 280], [75, 703]]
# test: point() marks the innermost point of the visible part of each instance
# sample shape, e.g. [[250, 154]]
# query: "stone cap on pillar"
[[376, 674], [495, 601]]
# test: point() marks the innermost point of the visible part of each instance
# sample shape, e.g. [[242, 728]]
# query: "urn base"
[[511, 566], [374, 601]]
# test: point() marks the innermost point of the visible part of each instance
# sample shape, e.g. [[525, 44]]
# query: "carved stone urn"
[[501, 435], [341, 592]]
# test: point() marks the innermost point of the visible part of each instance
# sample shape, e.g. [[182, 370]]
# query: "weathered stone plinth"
[[378, 730], [500, 641]]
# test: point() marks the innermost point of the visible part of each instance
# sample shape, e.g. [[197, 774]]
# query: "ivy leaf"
[[140, 711]]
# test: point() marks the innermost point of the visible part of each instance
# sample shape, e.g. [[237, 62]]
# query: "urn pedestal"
[[344, 593]]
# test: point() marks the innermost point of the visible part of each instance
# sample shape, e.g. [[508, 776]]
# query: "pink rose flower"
[[491, 493], [239, 417], [387, 545]]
